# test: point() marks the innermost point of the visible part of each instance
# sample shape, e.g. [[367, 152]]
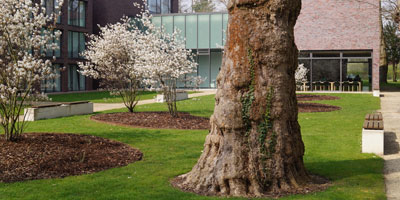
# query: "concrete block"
[[376, 93], [372, 141], [179, 96], [64, 110]]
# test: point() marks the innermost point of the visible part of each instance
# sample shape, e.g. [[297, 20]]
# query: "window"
[[54, 84], [76, 81], [50, 6], [77, 13], [159, 6], [76, 44], [56, 53]]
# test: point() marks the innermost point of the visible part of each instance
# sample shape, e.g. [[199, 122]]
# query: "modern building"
[[205, 36], [338, 42], [74, 23], [80, 18]]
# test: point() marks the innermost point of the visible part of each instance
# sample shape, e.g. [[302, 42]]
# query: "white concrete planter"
[[376, 93], [58, 110], [179, 96], [372, 141]]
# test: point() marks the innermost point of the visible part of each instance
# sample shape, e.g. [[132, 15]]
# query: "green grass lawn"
[[99, 97], [96, 97], [332, 143]]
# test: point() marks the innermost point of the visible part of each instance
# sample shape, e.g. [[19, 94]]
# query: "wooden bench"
[[75, 102], [47, 105], [373, 134]]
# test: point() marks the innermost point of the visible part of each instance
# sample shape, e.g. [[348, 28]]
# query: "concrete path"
[[390, 108], [110, 106]]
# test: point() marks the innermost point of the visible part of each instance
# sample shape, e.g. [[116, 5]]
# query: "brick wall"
[[340, 25]]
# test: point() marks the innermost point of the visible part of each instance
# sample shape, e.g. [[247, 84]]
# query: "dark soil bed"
[[49, 155], [155, 120], [316, 107], [312, 97]]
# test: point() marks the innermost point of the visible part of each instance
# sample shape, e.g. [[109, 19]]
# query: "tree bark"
[[394, 71], [383, 64], [254, 147]]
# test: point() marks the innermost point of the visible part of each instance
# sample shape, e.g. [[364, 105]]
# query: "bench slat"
[[366, 124], [373, 125], [375, 116]]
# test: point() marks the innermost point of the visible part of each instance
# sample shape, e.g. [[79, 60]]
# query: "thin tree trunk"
[[383, 64], [254, 147], [394, 71]]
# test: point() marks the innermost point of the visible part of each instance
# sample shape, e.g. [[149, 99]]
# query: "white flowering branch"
[[26, 33], [115, 56], [167, 61]]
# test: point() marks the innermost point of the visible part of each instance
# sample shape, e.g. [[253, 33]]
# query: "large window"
[[337, 70], [54, 53], [50, 6], [77, 13], [76, 81], [53, 84], [159, 6], [76, 44]]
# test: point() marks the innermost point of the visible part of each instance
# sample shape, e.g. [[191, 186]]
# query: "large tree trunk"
[[254, 147]]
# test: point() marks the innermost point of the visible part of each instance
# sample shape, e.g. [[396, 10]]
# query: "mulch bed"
[[157, 120], [163, 120], [316, 107], [312, 97], [49, 155]]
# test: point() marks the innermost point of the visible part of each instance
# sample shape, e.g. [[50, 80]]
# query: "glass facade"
[[50, 52], [159, 6], [50, 6], [56, 53], [54, 84], [76, 81], [191, 32], [216, 61], [203, 69], [217, 33], [76, 44], [77, 13], [167, 23], [205, 35], [337, 70], [202, 31]]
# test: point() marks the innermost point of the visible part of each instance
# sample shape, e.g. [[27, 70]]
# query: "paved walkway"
[[390, 108], [110, 106]]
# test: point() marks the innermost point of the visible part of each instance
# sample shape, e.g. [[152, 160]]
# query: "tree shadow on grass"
[[341, 169]]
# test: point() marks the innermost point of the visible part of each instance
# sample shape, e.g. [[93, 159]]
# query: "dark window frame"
[[70, 13], [71, 44]]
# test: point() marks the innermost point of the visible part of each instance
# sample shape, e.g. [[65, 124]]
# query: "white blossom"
[[301, 73], [25, 35]]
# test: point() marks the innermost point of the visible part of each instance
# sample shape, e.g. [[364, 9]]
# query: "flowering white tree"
[[26, 33], [301, 73], [167, 61], [115, 56], [170, 63]]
